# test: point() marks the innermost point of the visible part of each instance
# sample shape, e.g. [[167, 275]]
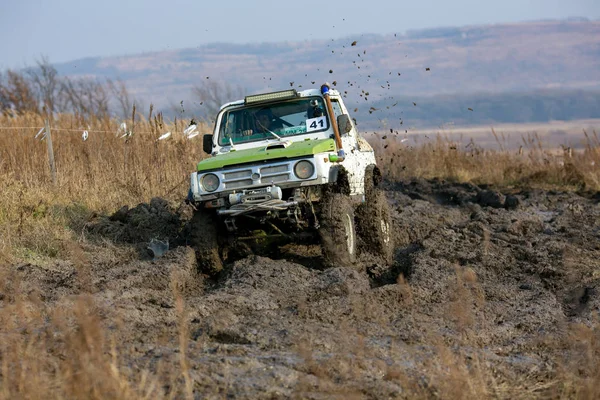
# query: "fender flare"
[[373, 178], [338, 180]]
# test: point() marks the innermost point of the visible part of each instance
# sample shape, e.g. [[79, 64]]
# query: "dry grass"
[[451, 367], [104, 171], [533, 164], [63, 351], [94, 176]]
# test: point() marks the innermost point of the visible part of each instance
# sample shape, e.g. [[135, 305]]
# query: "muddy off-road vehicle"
[[288, 165]]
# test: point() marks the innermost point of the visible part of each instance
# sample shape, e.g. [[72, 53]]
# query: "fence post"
[[50, 152]]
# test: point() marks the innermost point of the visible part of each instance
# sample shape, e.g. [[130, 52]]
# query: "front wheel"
[[337, 231], [203, 237], [375, 226]]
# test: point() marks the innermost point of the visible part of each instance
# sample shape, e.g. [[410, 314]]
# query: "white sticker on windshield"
[[315, 124]]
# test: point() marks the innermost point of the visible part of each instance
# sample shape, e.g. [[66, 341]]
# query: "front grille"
[[257, 175], [238, 184], [275, 173], [276, 178], [246, 173], [273, 169]]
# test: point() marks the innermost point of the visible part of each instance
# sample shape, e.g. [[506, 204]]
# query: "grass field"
[[62, 349]]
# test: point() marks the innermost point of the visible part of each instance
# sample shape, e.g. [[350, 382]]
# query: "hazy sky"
[[65, 30]]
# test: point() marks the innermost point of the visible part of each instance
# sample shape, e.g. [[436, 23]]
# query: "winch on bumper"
[[254, 200]]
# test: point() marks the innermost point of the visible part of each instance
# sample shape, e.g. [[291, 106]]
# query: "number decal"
[[315, 124]]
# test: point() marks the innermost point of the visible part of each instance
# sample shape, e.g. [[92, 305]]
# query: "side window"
[[227, 128], [337, 109]]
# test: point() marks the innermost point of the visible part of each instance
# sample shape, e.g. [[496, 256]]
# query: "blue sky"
[[65, 30]]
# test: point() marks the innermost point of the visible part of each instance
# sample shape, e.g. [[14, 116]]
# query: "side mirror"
[[344, 124], [207, 144]]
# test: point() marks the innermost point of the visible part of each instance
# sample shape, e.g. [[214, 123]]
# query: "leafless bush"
[[212, 94], [85, 97], [17, 96], [46, 84], [121, 96], [40, 90]]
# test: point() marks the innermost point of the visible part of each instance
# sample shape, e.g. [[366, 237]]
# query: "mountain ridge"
[[495, 59]]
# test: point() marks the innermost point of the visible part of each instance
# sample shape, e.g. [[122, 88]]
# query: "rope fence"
[[57, 129], [37, 128], [189, 132], [122, 132]]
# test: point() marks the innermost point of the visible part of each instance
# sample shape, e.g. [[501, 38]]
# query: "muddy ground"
[[486, 283]]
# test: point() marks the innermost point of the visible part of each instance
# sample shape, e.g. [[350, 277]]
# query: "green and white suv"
[[288, 165]]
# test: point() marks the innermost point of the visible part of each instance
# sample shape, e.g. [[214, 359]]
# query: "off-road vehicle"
[[292, 165]]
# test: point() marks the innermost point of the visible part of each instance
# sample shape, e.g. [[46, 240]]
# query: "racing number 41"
[[317, 124]]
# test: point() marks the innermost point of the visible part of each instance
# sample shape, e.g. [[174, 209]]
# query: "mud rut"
[[490, 275]]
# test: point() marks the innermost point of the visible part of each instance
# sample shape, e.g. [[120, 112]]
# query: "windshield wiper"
[[274, 134], [231, 143]]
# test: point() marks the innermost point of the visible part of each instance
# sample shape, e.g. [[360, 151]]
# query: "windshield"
[[273, 121]]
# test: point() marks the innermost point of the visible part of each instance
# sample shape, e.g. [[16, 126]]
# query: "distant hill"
[[494, 62], [481, 109]]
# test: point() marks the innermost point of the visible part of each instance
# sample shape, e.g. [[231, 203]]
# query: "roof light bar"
[[261, 98]]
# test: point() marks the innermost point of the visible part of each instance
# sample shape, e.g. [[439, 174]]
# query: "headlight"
[[210, 182], [304, 169]]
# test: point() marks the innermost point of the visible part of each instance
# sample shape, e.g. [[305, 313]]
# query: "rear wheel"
[[337, 231], [203, 237]]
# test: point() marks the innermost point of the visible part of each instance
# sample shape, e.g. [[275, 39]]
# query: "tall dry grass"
[[105, 170], [534, 164]]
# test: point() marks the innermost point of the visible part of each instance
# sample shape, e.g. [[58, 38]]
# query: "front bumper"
[[254, 176]]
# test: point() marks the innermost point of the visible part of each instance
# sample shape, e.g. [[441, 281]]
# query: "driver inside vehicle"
[[263, 121]]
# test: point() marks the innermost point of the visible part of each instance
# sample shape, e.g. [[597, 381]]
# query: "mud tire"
[[372, 180], [338, 231], [374, 224], [203, 237]]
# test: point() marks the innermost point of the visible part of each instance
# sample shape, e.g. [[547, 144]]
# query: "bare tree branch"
[[213, 94], [86, 97], [121, 94], [45, 80], [16, 93]]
